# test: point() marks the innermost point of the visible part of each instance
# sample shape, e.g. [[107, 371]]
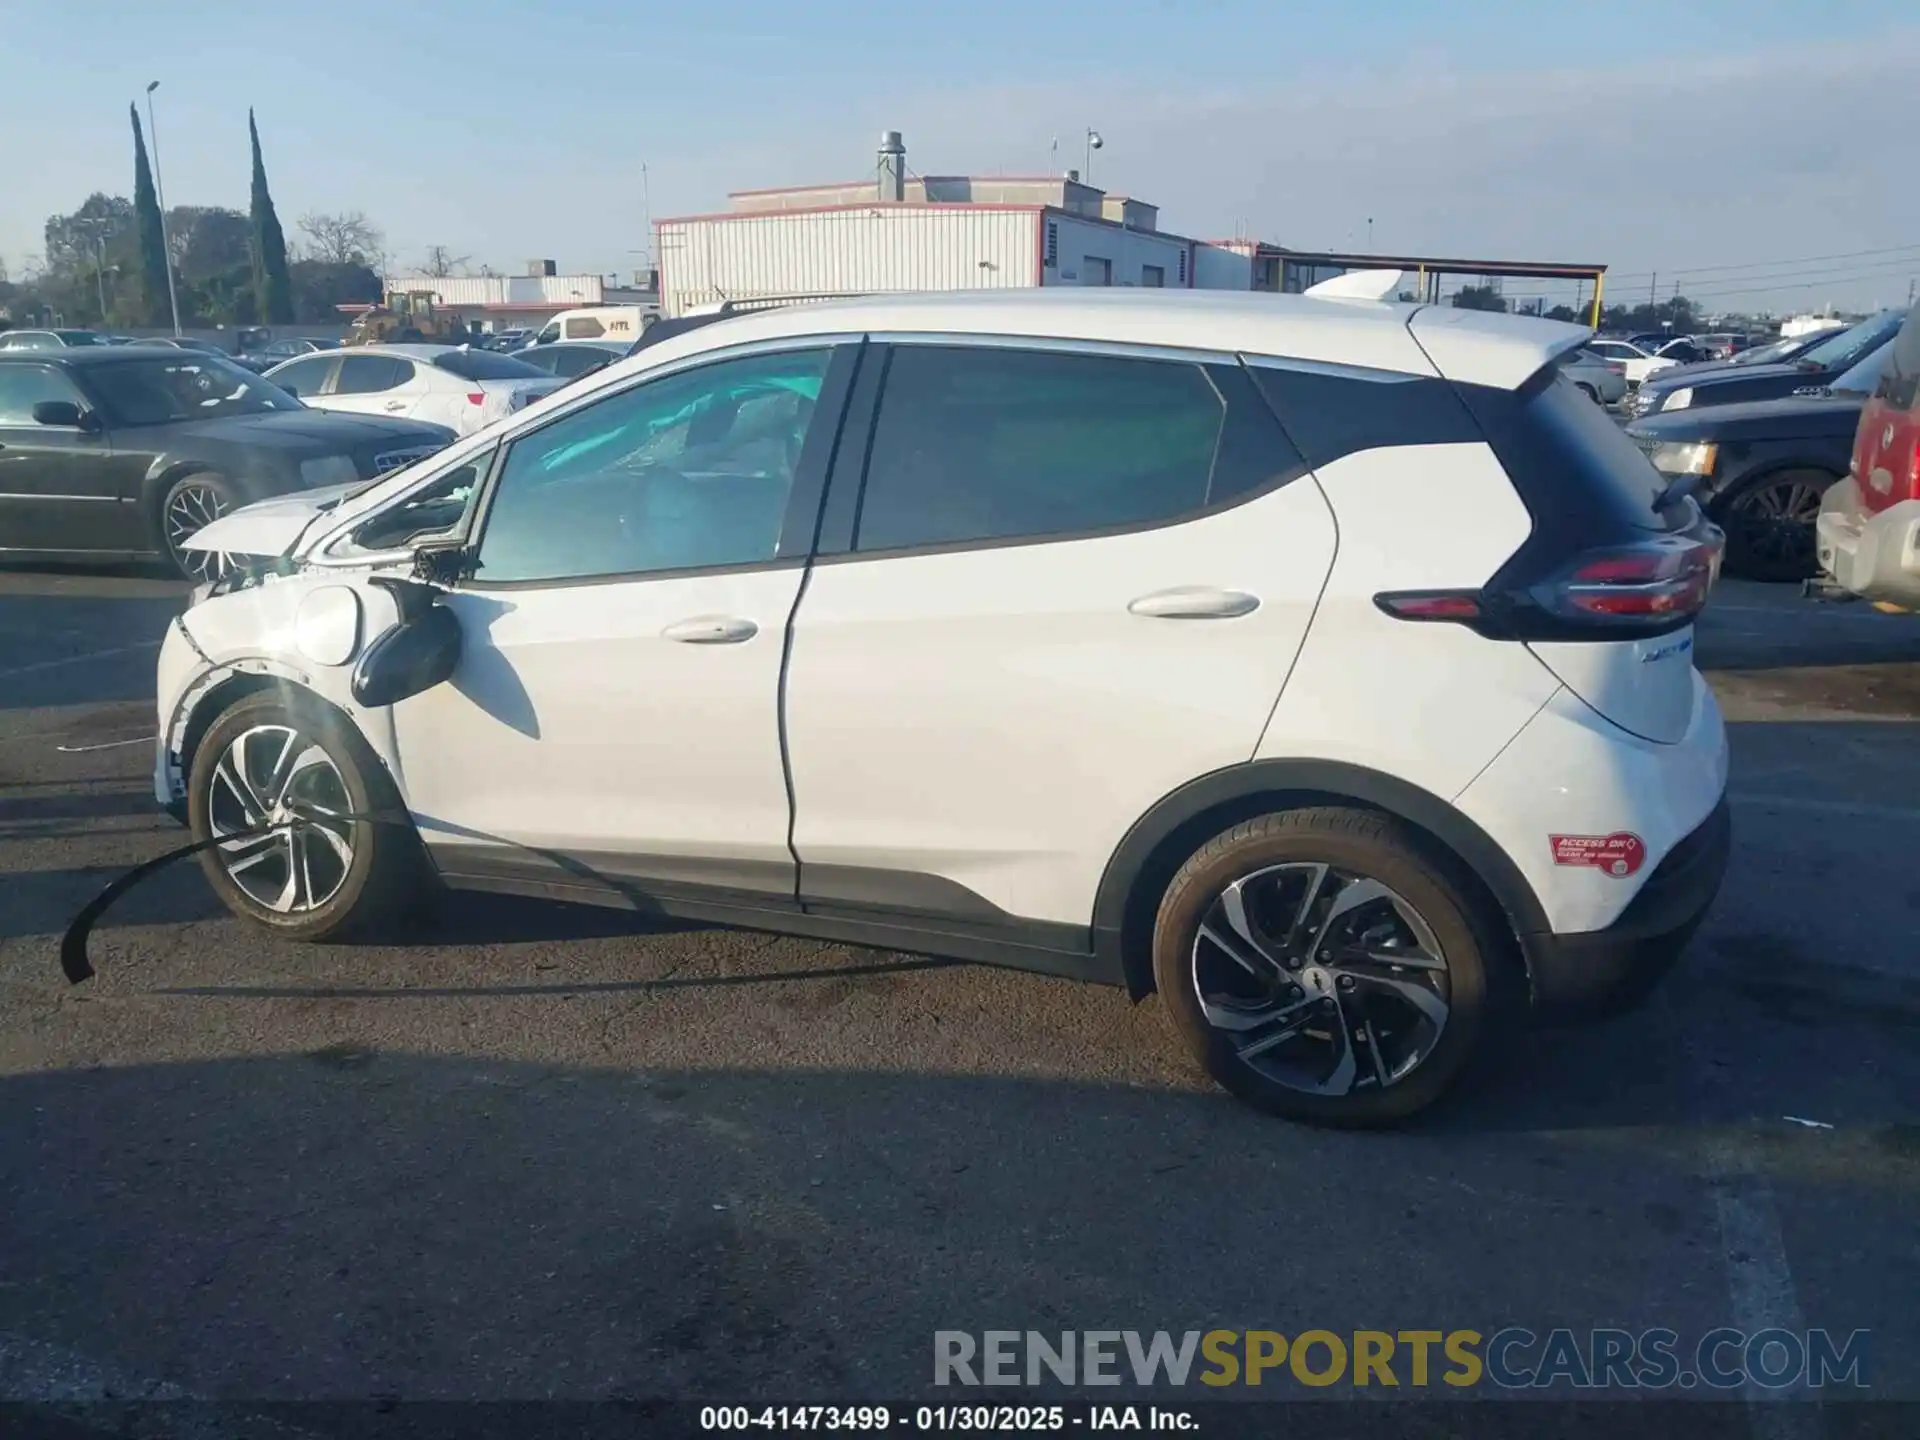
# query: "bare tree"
[[442, 262], [348, 238]]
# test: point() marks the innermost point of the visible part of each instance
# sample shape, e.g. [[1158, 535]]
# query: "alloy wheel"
[[279, 777], [1776, 520], [1323, 980], [191, 508]]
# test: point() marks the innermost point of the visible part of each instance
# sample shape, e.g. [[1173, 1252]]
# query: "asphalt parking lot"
[[556, 1153]]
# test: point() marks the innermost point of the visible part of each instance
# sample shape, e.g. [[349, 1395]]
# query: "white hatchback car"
[[1324, 665], [452, 385]]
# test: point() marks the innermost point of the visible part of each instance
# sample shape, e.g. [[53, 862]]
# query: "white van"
[[616, 323]]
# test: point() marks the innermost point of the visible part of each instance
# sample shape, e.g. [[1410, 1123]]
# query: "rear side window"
[[1333, 411], [977, 444], [1572, 465], [369, 374]]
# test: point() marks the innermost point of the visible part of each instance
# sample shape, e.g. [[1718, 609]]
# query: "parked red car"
[[1869, 527]]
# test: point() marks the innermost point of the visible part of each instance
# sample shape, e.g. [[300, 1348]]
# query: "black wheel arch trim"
[[1157, 842]]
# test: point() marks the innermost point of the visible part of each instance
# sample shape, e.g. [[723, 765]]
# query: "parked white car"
[[1601, 380], [1325, 665], [450, 385], [1636, 363]]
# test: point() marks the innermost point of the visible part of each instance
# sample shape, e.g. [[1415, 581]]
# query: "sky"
[[1753, 152]]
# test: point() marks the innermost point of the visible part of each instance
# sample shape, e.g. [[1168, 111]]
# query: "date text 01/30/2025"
[[978, 1419]]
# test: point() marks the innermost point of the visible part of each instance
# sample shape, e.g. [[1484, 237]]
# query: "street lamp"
[[160, 195], [1094, 142], [97, 229]]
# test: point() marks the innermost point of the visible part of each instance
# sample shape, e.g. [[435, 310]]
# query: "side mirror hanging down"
[[418, 653]]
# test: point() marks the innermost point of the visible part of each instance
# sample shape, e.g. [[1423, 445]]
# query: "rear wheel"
[[1320, 965], [1769, 524], [1587, 390], [189, 505], [279, 755]]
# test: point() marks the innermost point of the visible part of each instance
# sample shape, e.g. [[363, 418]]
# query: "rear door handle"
[[711, 630], [1195, 602]]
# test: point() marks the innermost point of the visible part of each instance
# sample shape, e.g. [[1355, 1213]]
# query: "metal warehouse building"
[[902, 232], [898, 231]]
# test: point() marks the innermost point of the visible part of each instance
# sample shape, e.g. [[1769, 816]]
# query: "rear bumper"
[[1871, 554], [1600, 972]]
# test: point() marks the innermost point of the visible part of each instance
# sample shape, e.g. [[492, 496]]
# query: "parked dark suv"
[[123, 453], [1730, 382]]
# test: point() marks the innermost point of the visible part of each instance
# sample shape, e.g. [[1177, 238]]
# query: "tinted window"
[[370, 374], [24, 386], [1331, 412], [80, 337], [303, 377], [689, 470], [571, 364], [186, 386], [585, 327], [980, 444], [485, 365]]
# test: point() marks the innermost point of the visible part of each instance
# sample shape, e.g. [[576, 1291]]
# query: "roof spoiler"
[[1357, 285]]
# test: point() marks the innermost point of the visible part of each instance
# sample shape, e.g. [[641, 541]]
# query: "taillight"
[[476, 397], [1642, 588], [1913, 470]]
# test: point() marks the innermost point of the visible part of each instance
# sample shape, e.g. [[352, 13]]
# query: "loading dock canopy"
[[1300, 268]]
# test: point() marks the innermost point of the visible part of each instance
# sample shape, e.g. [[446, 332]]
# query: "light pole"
[[160, 195], [1094, 142]]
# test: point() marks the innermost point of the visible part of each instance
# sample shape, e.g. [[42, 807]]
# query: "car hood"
[[316, 432], [1722, 373], [269, 527], [1790, 417]]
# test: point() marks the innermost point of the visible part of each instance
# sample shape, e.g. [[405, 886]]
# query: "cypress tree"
[[272, 289], [152, 238]]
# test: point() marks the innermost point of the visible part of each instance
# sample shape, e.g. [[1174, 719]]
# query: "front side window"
[[978, 443], [370, 374], [188, 386], [24, 386], [585, 327], [434, 509], [688, 471]]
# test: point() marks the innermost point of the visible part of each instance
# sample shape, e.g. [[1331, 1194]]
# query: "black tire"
[[1483, 991], [190, 501], [387, 878], [1769, 523]]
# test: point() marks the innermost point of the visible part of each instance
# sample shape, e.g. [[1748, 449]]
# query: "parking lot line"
[[1853, 810], [39, 665]]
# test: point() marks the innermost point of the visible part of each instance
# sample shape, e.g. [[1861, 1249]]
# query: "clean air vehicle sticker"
[[1620, 854]]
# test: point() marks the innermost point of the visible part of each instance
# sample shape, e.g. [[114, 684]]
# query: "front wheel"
[[277, 756], [189, 505], [1770, 525], [1321, 966]]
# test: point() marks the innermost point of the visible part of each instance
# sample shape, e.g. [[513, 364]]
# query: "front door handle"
[[711, 630], [396, 404], [1195, 602]]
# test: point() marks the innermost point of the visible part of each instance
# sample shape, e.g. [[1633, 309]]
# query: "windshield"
[[189, 387], [1861, 379], [1848, 343], [486, 365], [1764, 354]]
